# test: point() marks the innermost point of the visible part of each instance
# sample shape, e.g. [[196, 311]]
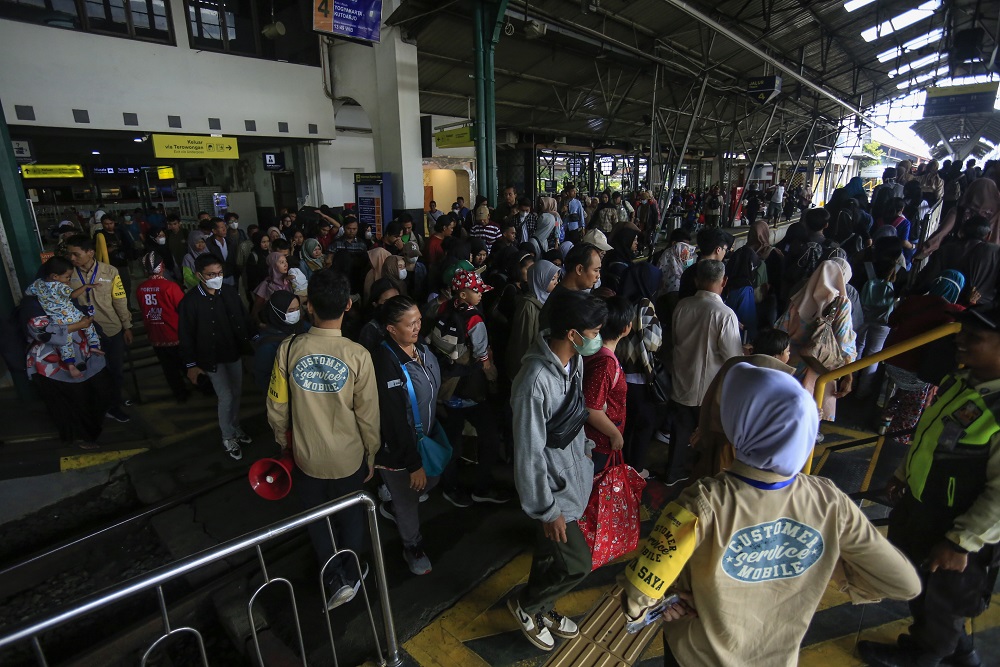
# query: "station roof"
[[972, 134], [596, 70]]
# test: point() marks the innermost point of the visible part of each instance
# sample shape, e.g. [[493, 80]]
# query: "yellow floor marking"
[[78, 461], [499, 620], [828, 427]]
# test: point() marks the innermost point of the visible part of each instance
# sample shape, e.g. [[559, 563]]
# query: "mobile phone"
[[652, 615]]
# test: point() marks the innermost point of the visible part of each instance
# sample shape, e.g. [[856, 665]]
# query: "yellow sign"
[[460, 137], [971, 89], [165, 173], [51, 171], [323, 15], [194, 146]]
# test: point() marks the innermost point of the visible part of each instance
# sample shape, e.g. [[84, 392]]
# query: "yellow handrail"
[[887, 353]]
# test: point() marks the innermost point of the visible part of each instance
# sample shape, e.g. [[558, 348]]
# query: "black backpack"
[[881, 203]]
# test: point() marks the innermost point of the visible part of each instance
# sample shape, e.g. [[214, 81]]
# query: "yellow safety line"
[[79, 461], [830, 427], [871, 464]]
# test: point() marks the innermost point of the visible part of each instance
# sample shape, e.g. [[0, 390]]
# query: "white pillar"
[[383, 80]]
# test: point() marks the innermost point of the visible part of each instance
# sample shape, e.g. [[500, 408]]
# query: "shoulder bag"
[[823, 353], [434, 448], [563, 426]]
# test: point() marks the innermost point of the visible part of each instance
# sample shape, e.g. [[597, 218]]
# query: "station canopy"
[[594, 71]]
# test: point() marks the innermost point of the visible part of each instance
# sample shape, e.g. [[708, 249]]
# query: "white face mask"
[[368, 234], [293, 317], [234, 225], [160, 240], [214, 283], [597, 284], [128, 218], [402, 274]]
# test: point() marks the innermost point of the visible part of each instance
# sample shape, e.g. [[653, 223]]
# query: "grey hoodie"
[[549, 481]]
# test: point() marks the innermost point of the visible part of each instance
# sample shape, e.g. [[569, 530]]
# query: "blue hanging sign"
[[357, 19]]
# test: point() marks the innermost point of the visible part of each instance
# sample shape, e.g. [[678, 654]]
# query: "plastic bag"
[[610, 524]]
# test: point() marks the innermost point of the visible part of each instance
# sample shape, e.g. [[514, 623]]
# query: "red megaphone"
[[271, 479]]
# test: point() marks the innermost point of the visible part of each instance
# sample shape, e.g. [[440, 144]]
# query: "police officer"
[[947, 514]]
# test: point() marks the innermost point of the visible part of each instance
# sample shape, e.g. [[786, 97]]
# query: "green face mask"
[[590, 345]]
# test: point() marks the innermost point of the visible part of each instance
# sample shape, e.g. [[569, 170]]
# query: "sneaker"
[[352, 580], [457, 497], [560, 626], [534, 628], [242, 438], [674, 482], [128, 402], [383, 493], [233, 449], [424, 496], [340, 593], [491, 496], [118, 415], [417, 560], [663, 437], [879, 654], [385, 509], [964, 656]]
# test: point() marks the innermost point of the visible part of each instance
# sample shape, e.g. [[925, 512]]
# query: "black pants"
[[685, 421], [556, 569], [76, 408], [643, 416], [173, 368], [483, 419], [348, 525], [947, 597], [114, 348]]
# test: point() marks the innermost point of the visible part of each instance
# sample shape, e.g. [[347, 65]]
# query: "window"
[[235, 26], [904, 20], [136, 19]]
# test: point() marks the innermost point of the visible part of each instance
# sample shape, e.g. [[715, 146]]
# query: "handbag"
[[823, 353], [567, 422], [610, 523], [434, 447], [660, 382]]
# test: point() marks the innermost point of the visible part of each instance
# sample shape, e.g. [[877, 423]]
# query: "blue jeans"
[[227, 380], [871, 340]]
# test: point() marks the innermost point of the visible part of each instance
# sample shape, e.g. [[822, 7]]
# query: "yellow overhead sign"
[[51, 171], [459, 137], [165, 173], [194, 146]]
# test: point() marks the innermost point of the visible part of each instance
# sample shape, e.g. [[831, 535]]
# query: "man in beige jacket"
[[322, 404]]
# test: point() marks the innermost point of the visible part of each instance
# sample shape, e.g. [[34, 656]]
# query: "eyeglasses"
[[209, 276]]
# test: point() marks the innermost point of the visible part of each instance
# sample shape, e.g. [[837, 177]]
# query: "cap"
[[596, 238], [469, 280], [411, 250], [984, 318]]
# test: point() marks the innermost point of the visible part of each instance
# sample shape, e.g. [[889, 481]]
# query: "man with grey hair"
[[706, 335]]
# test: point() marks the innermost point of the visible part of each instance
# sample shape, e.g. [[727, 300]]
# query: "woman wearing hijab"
[[769, 300], [281, 317], [548, 217], [394, 270], [312, 257], [759, 531], [256, 266], [913, 316], [825, 287], [196, 247], [931, 184], [277, 281], [274, 233], [371, 334], [855, 189], [543, 276], [616, 263], [637, 354], [981, 198], [479, 252], [377, 258]]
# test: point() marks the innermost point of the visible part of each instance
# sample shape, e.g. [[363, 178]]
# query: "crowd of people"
[[539, 324]]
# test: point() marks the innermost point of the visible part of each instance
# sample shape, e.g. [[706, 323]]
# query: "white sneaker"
[[233, 449], [534, 628], [424, 497], [560, 626], [663, 437]]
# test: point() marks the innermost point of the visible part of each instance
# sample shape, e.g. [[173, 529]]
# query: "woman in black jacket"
[[399, 460]]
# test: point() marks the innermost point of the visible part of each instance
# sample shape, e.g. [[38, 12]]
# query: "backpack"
[[881, 203], [448, 337], [878, 297], [759, 282], [606, 219]]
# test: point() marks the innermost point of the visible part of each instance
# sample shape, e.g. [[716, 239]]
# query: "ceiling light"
[[95, 152], [904, 20], [138, 140]]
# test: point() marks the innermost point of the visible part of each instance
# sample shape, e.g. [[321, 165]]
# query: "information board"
[[195, 146], [763, 89], [373, 195], [961, 100], [51, 171], [274, 161], [358, 19]]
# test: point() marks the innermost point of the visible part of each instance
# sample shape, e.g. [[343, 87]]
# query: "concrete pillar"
[[383, 80]]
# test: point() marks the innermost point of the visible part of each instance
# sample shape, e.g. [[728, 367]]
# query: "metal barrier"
[[887, 353], [157, 578]]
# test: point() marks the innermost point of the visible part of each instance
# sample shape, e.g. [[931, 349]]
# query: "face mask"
[[293, 317], [901, 263], [214, 283], [368, 235], [234, 225], [402, 274], [160, 240], [590, 345], [596, 285], [128, 218], [689, 263]]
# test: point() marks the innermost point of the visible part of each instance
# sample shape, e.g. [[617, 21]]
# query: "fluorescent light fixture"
[[916, 64], [904, 20], [941, 71], [95, 152], [138, 140], [915, 43], [851, 5]]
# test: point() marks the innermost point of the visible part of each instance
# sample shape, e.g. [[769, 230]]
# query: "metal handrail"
[[887, 353], [156, 578]]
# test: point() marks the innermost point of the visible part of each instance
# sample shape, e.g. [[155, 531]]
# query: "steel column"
[[760, 146], [687, 138], [774, 62], [802, 153], [479, 52]]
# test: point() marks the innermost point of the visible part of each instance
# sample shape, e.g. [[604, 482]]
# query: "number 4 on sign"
[[323, 7]]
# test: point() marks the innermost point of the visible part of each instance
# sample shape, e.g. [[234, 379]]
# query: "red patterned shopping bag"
[[610, 524]]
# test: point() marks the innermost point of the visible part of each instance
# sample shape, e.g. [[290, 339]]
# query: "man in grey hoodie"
[[554, 483]]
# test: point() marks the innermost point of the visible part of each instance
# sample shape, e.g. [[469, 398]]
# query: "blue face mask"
[[590, 345]]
